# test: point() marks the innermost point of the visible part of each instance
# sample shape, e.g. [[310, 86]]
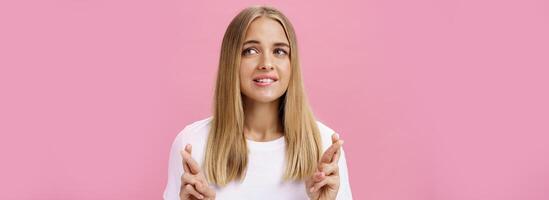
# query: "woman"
[[262, 141]]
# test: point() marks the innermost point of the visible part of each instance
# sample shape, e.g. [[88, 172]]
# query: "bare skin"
[[265, 52], [324, 184], [193, 181]]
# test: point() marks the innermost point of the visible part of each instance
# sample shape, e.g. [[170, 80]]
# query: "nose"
[[265, 63], [265, 67]]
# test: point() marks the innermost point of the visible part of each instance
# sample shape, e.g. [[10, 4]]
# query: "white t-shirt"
[[265, 168]]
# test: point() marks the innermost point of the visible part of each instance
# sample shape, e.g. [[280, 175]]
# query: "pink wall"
[[436, 99]]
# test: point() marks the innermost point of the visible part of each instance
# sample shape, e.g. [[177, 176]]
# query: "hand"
[[193, 181], [324, 183]]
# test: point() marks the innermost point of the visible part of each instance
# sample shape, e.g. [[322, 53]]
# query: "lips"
[[265, 79]]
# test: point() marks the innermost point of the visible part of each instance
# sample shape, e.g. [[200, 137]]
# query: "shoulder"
[[196, 128], [196, 134], [325, 134]]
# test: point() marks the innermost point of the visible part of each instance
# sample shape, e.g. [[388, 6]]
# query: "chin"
[[264, 99]]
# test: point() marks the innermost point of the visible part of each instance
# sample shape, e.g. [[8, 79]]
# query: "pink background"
[[436, 99]]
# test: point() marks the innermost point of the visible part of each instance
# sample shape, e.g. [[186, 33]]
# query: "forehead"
[[266, 30]]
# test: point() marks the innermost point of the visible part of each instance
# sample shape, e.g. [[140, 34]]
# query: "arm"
[[331, 180], [183, 170]]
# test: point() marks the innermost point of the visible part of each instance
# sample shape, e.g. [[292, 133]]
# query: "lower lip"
[[264, 84]]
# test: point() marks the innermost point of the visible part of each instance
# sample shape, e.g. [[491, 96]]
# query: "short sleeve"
[[344, 192], [175, 167]]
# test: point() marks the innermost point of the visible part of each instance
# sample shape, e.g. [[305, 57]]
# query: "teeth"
[[265, 80]]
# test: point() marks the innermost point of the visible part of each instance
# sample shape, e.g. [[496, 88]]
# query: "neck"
[[261, 120]]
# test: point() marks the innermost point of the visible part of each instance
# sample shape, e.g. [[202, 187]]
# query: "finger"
[[335, 159], [318, 185], [319, 176], [329, 169], [189, 189], [328, 181], [204, 189], [188, 178], [191, 163], [329, 153], [335, 137], [185, 167], [189, 148]]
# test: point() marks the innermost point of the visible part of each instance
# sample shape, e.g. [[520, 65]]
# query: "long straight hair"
[[226, 156]]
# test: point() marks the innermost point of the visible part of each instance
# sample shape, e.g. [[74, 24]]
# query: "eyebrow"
[[257, 42]]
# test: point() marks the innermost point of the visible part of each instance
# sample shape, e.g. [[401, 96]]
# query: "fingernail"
[[312, 189], [337, 136], [200, 196]]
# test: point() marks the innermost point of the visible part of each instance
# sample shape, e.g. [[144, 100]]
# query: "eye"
[[280, 52], [249, 51]]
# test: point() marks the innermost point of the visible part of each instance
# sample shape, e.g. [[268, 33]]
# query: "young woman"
[[262, 141]]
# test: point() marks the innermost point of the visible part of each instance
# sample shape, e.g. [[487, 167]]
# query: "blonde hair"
[[226, 154]]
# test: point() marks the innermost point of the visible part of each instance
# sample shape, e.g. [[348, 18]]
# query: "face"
[[265, 63]]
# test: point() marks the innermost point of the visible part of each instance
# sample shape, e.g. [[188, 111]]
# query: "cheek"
[[246, 69], [285, 71]]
